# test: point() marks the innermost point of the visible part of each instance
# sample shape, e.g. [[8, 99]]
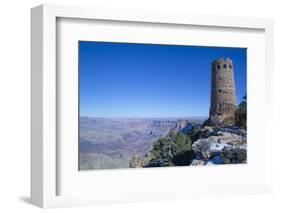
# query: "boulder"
[[208, 147], [197, 163], [222, 146]]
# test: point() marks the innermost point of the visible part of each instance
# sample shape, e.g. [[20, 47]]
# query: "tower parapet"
[[223, 94]]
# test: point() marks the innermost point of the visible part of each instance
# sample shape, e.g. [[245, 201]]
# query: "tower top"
[[222, 60]]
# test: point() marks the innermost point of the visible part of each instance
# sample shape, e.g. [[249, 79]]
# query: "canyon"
[[107, 143]]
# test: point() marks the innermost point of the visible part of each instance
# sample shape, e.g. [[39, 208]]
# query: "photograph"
[[161, 105]]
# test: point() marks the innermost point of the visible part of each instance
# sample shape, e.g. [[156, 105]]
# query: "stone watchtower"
[[223, 95]]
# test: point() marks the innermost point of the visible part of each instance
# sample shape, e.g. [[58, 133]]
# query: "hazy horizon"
[[166, 117]]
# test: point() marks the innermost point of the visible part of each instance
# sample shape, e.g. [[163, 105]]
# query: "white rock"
[[213, 145], [197, 163]]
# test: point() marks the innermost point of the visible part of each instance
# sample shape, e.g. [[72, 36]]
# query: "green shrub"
[[173, 150], [241, 114]]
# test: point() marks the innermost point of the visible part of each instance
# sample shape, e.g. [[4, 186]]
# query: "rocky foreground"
[[200, 146], [220, 146]]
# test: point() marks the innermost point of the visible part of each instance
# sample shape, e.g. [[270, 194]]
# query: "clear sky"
[[148, 80]]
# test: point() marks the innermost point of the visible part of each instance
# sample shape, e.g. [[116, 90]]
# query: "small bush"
[[173, 150], [241, 114]]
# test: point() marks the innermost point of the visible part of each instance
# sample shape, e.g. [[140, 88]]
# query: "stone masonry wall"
[[223, 94]]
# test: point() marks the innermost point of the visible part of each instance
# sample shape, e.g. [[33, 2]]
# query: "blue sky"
[[148, 80]]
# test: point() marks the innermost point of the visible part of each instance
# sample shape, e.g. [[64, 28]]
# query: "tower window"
[[224, 66], [218, 66], [230, 66], [219, 90]]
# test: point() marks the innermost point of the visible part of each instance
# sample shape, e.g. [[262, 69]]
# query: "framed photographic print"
[[130, 106]]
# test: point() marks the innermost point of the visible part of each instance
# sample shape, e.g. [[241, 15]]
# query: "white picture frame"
[[45, 155]]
